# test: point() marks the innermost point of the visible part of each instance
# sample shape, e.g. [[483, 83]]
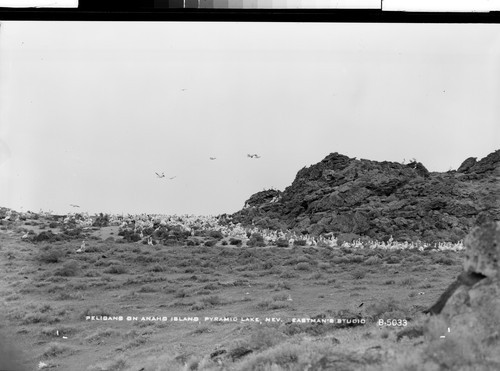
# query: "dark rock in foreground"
[[470, 307], [379, 199], [482, 260]]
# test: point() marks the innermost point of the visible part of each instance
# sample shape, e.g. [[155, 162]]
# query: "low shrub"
[[210, 243], [216, 235], [69, 268], [256, 240], [56, 349], [303, 266], [373, 260], [299, 243], [235, 241], [102, 220], [50, 255], [281, 242], [116, 269], [358, 274]]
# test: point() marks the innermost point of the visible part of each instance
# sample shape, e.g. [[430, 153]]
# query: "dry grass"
[[115, 278]]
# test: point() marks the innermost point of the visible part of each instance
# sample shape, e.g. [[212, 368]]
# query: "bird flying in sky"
[[253, 156], [160, 176], [73, 205], [213, 158], [172, 177]]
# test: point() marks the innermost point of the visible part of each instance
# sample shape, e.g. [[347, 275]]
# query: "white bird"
[[150, 241], [25, 235], [289, 297], [82, 247]]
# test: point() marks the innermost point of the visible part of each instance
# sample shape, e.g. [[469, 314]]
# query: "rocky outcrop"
[[263, 197], [467, 164], [481, 264], [472, 310], [487, 164], [464, 281], [483, 251], [482, 260], [481, 291], [380, 199]]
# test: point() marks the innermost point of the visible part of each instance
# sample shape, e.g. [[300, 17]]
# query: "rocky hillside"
[[354, 198]]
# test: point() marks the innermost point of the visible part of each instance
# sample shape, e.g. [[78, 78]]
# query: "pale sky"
[[89, 111]]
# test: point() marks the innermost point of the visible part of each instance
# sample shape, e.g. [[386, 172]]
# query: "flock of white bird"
[[190, 223]]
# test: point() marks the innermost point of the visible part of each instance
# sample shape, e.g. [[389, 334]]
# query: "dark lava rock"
[[482, 254], [410, 333], [419, 168], [217, 353], [488, 164], [259, 198], [239, 352], [482, 260], [471, 305], [342, 195], [467, 164]]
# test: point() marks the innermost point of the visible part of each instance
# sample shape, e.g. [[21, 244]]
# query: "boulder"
[[471, 305], [482, 254], [263, 197], [467, 164], [488, 164], [482, 260]]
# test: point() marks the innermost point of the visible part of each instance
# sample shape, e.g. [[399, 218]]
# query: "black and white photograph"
[[249, 196]]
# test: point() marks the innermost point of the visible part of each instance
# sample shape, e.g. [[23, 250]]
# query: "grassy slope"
[[41, 297]]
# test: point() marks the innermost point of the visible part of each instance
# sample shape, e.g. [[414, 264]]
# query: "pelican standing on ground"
[[82, 247]]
